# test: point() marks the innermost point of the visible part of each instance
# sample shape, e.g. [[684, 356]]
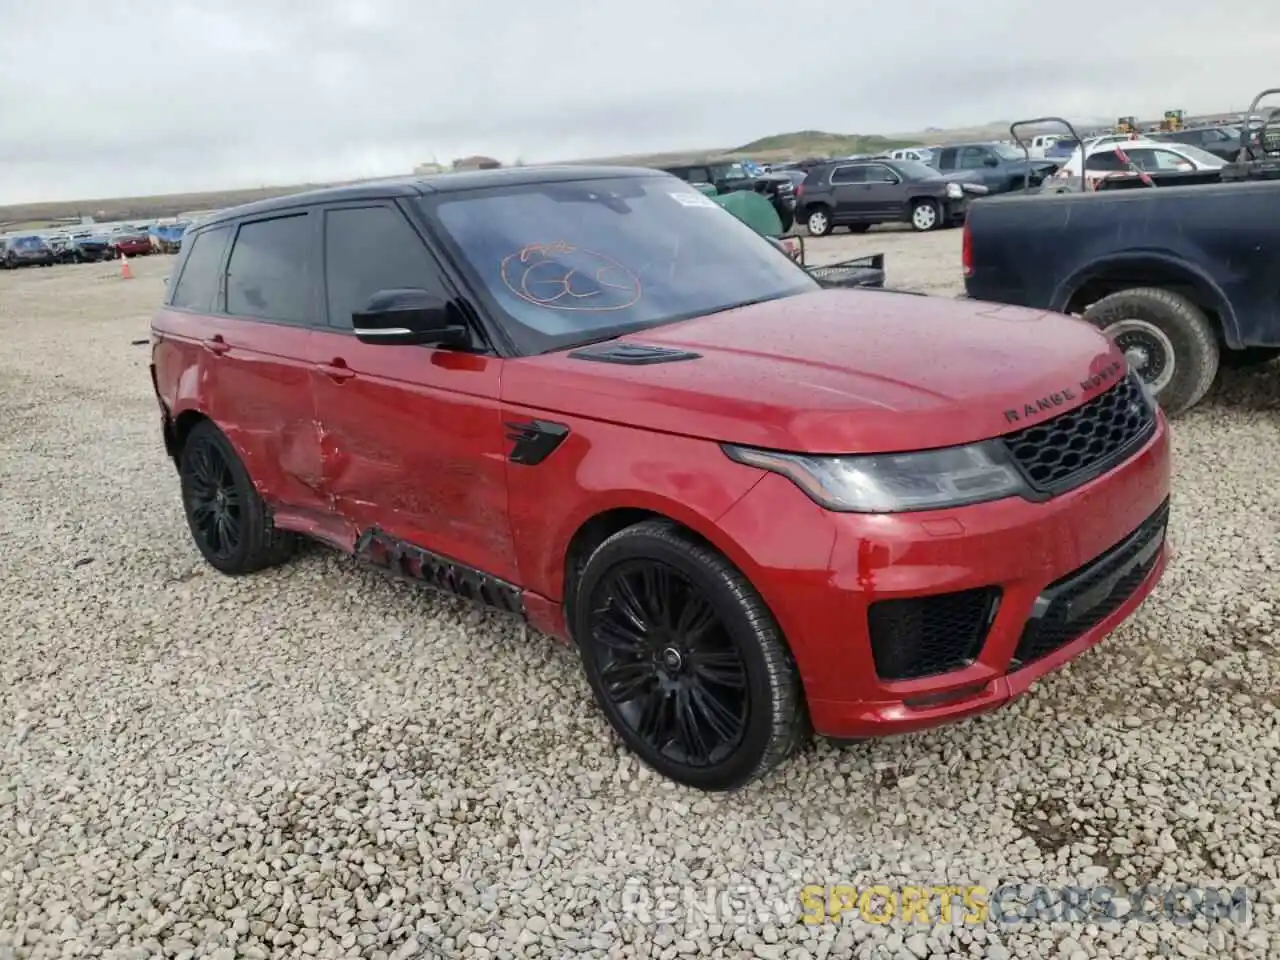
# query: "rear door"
[[413, 440], [258, 369], [851, 202], [234, 345]]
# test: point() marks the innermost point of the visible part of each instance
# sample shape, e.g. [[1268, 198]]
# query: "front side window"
[[368, 249], [973, 158], [267, 275], [571, 262]]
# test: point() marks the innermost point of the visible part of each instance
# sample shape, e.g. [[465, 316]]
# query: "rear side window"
[[849, 175], [198, 283], [267, 276], [367, 249]]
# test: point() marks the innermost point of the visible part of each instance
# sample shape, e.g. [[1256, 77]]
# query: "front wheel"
[[685, 660], [1166, 339], [924, 216], [226, 516]]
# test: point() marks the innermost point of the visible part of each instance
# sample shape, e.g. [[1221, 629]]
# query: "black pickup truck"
[[1182, 278]]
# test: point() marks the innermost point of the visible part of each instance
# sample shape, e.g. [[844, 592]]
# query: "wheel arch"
[[178, 427], [1149, 269], [603, 521]]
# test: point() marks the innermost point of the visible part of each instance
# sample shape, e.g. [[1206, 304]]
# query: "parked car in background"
[[88, 247], [999, 166], [129, 241], [1221, 141], [167, 237], [1040, 144], [31, 250], [730, 175], [1150, 156], [591, 398], [919, 154], [861, 193], [1062, 148]]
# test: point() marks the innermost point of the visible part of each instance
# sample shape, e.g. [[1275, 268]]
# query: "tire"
[[619, 626], [1166, 338], [215, 483], [1249, 357], [817, 220], [859, 227], [925, 216]]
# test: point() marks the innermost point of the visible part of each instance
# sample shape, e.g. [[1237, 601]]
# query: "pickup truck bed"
[[1181, 277]]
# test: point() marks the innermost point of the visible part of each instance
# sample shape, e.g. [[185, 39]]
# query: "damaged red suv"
[[594, 399]]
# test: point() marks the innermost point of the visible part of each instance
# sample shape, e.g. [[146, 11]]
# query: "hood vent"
[[632, 354]]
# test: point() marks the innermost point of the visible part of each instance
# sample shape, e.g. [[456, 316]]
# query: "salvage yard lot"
[[317, 760]]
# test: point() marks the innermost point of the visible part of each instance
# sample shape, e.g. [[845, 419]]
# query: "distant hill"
[[809, 143]]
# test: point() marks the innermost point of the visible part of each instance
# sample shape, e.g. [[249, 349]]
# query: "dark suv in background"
[[730, 176], [29, 251], [861, 193], [1222, 142]]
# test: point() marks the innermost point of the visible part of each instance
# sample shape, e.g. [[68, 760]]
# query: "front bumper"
[[821, 572]]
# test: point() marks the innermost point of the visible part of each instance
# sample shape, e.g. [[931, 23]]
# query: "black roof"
[[417, 186]]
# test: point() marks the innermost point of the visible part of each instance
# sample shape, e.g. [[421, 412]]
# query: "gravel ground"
[[316, 761]]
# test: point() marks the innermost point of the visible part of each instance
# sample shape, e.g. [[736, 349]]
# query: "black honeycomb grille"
[[1076, 603], [923, 636], [1075, 447]]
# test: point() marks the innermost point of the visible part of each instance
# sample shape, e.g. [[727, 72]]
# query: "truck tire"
[[817, 220], [1166, 339]]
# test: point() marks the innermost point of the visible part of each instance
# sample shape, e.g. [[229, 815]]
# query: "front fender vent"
[[632, 354]]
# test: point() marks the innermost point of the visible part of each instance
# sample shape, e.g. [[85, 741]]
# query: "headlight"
[[894, 482], [955, 191]]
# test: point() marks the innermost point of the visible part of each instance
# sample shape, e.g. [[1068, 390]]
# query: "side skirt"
[[422, 566]]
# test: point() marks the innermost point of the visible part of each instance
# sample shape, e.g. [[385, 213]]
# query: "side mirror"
[[406, 317], [990, 161]]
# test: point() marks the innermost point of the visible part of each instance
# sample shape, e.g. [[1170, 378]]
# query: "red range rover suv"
[[594, 399]]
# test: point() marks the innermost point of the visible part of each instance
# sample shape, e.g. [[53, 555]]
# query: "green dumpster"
[[752, 209]]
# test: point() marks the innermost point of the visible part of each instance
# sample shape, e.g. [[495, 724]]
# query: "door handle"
[[216, 345], [336, 369]]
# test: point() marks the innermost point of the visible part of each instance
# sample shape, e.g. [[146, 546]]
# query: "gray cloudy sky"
[[128, 97]]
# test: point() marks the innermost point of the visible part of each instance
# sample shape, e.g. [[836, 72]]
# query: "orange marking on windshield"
[[560, 276]]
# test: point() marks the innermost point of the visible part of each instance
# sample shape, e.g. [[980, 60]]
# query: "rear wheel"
[[685, 660], [925, 216], [1166, 339], [818, 222], [228, 520]]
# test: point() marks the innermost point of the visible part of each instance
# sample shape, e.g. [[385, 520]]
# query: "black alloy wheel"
[[229, 522], [213, 500], [685, 659], [667, 664]]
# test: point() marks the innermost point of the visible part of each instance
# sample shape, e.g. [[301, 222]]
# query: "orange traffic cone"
[[126, 273]]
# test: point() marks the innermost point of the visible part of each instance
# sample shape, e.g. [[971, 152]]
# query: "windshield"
[[569, 263], [730, 171], [915, 170], [28, 243]]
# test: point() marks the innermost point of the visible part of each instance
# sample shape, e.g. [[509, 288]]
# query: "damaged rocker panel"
[[422, 566]]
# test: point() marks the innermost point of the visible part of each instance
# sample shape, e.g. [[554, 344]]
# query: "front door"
[[883, 192], [412, 437]]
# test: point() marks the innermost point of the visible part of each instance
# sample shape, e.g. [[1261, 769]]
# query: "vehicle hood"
[[836, 371]]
